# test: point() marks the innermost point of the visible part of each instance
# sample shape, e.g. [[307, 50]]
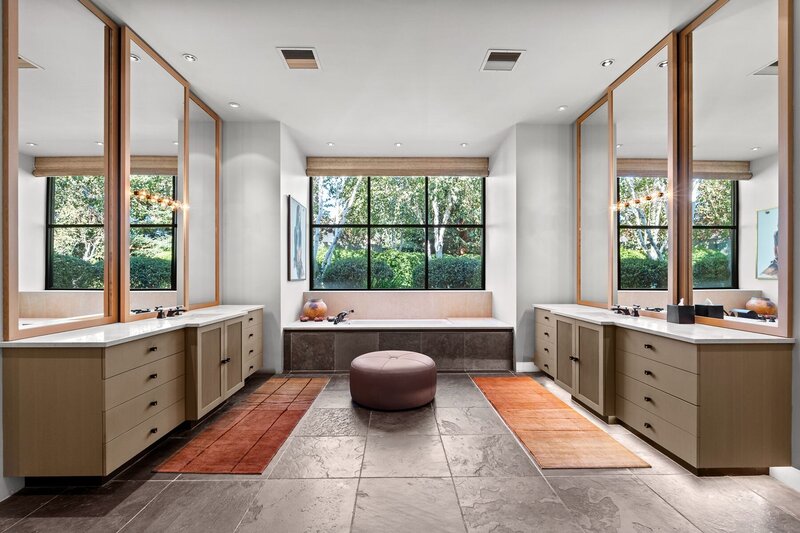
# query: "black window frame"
[[734, 237], [369, 226]]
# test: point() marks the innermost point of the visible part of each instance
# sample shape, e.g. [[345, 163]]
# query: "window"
[[152, 236], [386, 232], [75, 257], [642, 233], [715, 234]]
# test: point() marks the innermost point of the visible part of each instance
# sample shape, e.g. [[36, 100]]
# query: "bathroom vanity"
[[85, 402], [716, 399]]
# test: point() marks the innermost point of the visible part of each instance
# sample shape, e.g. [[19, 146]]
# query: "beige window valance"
[[724, 170], [397, 166], [95, 166]]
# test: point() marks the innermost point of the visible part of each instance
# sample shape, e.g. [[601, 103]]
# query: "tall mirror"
[[594, 228], [644, 173], [59, 169], [202, 277], [738, 232], [154, 101]]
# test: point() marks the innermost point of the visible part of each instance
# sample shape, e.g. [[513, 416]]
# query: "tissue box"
[[680, 314], [711, 311]]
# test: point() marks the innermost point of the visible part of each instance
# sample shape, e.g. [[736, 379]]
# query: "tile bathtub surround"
[[407, 304]]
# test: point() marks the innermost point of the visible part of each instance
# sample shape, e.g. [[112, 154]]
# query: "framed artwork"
[[298, 247], [767, 244]]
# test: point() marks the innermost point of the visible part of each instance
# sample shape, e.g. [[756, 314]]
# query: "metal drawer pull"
[[153, 403], [251, 351], [547, 350], [154, 431], [648, 399], [648, 346], [226, 360], [546, 334], [648, 373], [251, 335], [153, 376], [647, 425], [153, 349], [547, 318], [546, 365], [251, 367], [573, 358], [250, 319]]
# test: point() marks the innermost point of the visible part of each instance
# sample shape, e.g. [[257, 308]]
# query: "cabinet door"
[[564, 352], [234, 355], [210, 350], [588, 350]]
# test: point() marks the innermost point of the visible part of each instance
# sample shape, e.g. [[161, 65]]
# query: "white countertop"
[[432, 323], [119, 333], [694, 333]]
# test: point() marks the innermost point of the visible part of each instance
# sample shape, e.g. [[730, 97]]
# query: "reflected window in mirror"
[[154, 223], [642, 230], [715, 234]]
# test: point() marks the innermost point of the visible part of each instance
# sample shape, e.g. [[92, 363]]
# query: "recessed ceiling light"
[[398, 145], [99, 143], [464, 145], [233, 105], [330, 143], [562, 108], [663, 64], [607, 62], [619, 146], [135, 58], [176, 143], [755, 148], [190, 58], [31, 144]]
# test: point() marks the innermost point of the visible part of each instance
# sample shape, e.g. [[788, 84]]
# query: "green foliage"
[[393, 269], [710, 268], [637, 271], [150, 273], [345, 273], [455, 272], [70, 272]]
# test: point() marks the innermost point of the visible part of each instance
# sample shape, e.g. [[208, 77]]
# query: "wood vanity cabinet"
[[544, 355], [585, 363]]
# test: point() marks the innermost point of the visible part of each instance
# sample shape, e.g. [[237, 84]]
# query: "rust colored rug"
[[556, 435], [245, 438]]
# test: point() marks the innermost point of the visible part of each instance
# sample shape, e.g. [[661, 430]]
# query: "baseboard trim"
[[788, 475], [527, 366]]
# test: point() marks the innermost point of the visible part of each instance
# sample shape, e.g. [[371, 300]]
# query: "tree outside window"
[[152, 236]]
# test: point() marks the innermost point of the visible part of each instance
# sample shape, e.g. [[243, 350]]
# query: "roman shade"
[[724, 170], [397, 166], [165, 165]]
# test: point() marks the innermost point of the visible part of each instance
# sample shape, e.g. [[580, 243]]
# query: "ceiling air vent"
[[300, 58], [501, 60], [769, 70], [23, 63]]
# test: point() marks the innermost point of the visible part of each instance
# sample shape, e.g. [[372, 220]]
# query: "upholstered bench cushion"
[[392, 380]]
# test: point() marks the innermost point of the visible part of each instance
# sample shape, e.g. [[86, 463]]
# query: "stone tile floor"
[[450, 466]]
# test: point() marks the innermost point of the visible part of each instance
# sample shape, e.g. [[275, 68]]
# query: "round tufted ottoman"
[[392, 380]]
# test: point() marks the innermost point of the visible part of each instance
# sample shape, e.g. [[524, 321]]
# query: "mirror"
[[203, 195], [642, 151], [153, 188], [593, 213], [61, 172], [736, 164]]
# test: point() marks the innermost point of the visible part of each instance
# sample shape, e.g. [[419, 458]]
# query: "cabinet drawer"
[[663, 377], [668, 351], [251, 364], [543, 316], [124, 357], [545, 359], [127, 415], [127, 445], [671, 437], [254, 318], [253, 341], [546, 333], [128, 385], [672, 409]]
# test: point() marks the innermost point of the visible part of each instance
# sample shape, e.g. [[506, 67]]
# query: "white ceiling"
[[404, 71]]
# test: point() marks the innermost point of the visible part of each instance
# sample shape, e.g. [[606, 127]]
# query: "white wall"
[[32, 228], [294, 182], [202, 203], [251, 225], [759, 192], [595, 243], [501, 229], [545, 224]]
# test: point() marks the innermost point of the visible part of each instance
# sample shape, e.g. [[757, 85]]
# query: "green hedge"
[[393, 269], [150, 272], [70, 272], [455, 272], [710, 268]]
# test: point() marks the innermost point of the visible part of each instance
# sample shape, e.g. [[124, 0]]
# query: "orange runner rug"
[[556, 435], [245, 438]]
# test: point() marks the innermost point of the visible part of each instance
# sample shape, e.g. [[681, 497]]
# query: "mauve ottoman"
[[392, 380]]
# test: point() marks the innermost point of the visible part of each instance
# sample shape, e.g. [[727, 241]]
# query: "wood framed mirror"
[[60, 164], [736, 165], [153, 186]]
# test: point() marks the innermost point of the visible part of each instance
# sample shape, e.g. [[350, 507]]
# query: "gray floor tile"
[[617, 503], [721, 504], [405, 456], [21, 504], [469, 421], [335, 422], [320, 457], [197, 506], [338, 382], [773, 491], [334, 398], [414, 422], [487, 455], [459, 397], [299, 505], [425, 505], [142, 470], [512, 504], [659, 463]]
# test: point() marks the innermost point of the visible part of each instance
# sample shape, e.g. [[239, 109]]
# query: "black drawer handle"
[[648, 373], [546, 365], [250, 319], [647, 425], [251, 351], [547, 350], [251, 335], [153, 349], [226, 360], [154, 431], [648, 399], [251, 367], [547, 318], [648, 346], [573, 358], [153, 376], [153, 403], [546, 334]]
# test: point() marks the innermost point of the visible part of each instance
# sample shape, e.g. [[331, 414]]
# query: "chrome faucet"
[[341, 317]]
